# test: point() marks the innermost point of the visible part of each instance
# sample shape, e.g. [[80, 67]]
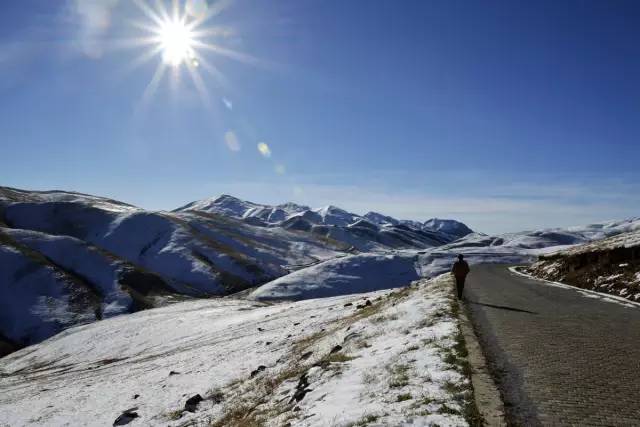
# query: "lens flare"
[[264, 149]]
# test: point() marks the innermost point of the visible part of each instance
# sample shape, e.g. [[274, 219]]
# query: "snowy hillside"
[[70, 258], [611, 265], [52, 282], [351, 274], [74, 256], [386, 358]]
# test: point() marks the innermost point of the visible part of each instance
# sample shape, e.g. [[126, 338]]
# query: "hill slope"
[[229, 362], [611, 265]]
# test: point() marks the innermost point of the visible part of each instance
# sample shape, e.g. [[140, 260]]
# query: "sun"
[[181, 34], [177, 43]]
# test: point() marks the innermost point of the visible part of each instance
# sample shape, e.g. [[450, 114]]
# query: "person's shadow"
[[502, 307]]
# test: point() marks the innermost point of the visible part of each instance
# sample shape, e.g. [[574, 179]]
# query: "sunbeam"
[[175, 34]]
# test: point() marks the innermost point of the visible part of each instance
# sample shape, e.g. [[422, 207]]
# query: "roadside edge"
[[486, 393], [601, 295]]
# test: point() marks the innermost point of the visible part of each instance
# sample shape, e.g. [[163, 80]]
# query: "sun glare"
[[176, 41], [181, 34]]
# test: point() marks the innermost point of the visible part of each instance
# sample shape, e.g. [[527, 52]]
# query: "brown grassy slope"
[[611, 265]]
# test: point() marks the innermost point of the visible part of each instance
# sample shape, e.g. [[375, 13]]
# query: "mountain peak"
[[225, 198], [448, 226], [380, 219]]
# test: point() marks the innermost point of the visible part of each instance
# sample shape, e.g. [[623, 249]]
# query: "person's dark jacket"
[[460, 269]]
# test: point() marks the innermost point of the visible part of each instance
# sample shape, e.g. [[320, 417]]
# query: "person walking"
[[460, 270]]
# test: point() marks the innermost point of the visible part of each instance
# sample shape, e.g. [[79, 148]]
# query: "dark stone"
[[126, 417], [135, 396], [258, 370], [174, 373], [192, 403], [368, 303], [267, 343], [296, 324], [260, 330], [348, 304], [301, 389], [335, 349]]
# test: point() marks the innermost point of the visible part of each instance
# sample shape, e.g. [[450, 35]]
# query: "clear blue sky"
[[506, 115]]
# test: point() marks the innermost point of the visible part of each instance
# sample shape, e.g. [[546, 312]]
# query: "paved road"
[[560, 358]]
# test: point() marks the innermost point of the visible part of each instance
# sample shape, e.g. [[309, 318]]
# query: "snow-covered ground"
[[386, 358], [347, 275]]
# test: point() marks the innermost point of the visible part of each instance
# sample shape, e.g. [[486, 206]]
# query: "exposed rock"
[[126, 417], [192, 403], [258, 370], [335, 349], [301, 389]]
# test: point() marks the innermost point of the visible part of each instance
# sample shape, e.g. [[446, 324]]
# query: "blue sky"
[[505, 115]]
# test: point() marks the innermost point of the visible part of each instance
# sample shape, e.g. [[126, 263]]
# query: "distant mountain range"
[[290, 213]]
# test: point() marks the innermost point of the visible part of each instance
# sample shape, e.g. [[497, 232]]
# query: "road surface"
[[559, 358]]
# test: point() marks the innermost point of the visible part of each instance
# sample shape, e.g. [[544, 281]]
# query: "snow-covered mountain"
[[447, 226], [236, 208], [291, 214], [550, 237], [71, 258], [380, 219]]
